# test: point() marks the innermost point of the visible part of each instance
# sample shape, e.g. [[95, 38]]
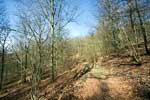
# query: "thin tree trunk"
[[26, 63], [114, 40], [135, 55], [40, 57], [40, 70], [131, 17], [142, 28], [34, 82], [2, 68], [52, 40]]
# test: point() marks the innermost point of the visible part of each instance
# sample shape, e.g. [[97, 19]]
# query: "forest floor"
[[112, 78], [116, 78]]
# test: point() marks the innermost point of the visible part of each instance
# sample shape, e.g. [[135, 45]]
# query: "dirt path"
[[99, 84]]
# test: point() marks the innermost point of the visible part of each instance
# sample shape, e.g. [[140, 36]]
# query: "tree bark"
[[2, 67], [53, 65], [26, 64], [142, 28]]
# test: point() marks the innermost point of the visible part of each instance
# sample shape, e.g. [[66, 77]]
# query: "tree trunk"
[[114, 40], [26, 64], [53, 65], [40, 70], [2, 67], [142, 28], [134, 53], [34, 82], [131, 16]]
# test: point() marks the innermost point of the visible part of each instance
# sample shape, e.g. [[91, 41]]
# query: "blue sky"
[[84, 23], [86, 20]]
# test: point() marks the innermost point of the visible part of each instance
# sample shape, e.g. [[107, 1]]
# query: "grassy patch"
[[98, 72]]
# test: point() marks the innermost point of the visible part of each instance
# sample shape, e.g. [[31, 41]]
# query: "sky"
[[84, 23]]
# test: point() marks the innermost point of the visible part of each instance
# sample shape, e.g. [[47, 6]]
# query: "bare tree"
[[4, 33], [133, 49], [45, 22], [56, 12], [142, 27]]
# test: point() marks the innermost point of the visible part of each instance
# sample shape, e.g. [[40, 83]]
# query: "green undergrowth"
[[97, 72]]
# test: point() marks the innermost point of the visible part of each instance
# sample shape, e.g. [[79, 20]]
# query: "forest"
[[40, 60]]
